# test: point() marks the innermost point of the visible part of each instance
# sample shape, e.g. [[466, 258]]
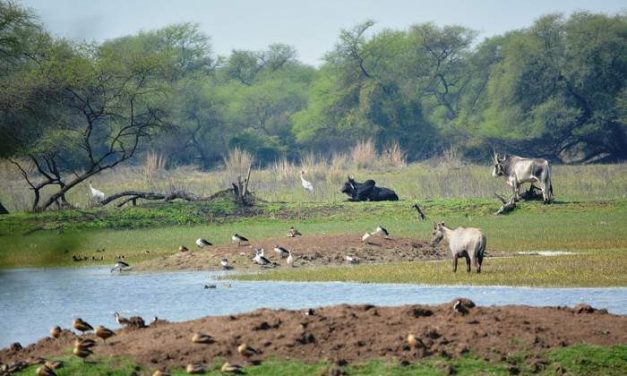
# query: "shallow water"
[[34, 300]]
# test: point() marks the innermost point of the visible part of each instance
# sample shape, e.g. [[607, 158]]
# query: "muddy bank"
[[314, 250], [347, 334]]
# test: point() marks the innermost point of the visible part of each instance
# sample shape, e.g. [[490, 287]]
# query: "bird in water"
[[225, 264], [104, 333], [293, 232], [200, 242], [120, 266], [382, 231], [211, 286], [281, 252], [290, 259], [81, 326], [239, 239], [55, 332], [306, 184]]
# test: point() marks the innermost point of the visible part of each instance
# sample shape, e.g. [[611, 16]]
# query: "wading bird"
[[200, 242], [281, 252], [382, 231], [119, 266], [239, 239], [96, 194], [225, 264], [306, 184]]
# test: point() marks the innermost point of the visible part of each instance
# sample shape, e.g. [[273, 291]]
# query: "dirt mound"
[[314, 250], [345, 334]]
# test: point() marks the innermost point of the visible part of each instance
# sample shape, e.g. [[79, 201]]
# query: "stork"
[[306, 184], [96, 194]]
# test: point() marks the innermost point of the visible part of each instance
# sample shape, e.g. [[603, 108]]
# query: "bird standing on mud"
[[200, 242], [247, 351], [382, 231], [225, 264], [239, 239], [281, 252], [290, 259], [202, 338], [81, 326], [55, 332], [351, 259], [104, 333], [231, 368]]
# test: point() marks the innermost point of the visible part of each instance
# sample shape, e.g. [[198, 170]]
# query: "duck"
[[82, 353], [45, 371], [200, 242], [119, 265], [280, 251], [413, 341], [293, 232], [365, 238], [133, 321], [351, 259], [194, 368], [84, 343], [160, 373], [306, 184], [53, 364], [55, 332], [231, 368], [202, 338], [382, 231], [458, 308], [246, 350], [81, 326], [225, 264], [239, 239], [104, 333], [183, 248], [260, 258], [211, 286], [290, 259]]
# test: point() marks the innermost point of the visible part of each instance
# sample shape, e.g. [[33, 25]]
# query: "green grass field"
[[572, 360]]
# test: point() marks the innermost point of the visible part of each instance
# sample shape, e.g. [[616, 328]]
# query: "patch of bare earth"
[[313, 250], [347, 334]]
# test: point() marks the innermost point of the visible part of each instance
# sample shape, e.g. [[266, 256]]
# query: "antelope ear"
[[442, 224]]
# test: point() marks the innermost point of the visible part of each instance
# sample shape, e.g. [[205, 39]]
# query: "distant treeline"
[[555, 89]]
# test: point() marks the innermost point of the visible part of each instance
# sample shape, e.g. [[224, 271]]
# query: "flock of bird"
[[84, 347]]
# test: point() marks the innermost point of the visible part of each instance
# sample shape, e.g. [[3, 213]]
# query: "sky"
[[311, 26]]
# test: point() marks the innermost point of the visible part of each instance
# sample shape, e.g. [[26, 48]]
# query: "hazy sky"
[[312, 27]]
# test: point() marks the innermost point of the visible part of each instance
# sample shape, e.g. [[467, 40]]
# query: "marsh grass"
[[581, 270], [445, 177]]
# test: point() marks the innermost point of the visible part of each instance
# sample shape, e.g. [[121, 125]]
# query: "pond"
[[34, 300]]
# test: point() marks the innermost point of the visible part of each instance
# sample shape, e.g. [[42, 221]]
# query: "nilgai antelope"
[[467, 242], [518, 170]]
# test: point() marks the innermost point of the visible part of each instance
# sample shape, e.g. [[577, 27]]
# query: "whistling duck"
[[104, 333], [81, 325]]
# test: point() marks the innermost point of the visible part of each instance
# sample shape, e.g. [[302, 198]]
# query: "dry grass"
[[444, 177]]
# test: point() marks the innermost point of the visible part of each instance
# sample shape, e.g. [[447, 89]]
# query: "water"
[[34, 300]]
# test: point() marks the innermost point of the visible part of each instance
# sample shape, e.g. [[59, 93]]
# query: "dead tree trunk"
[[240, 189]]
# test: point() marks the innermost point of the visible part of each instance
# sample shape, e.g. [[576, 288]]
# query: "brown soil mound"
[[314, 250], [352, 334]]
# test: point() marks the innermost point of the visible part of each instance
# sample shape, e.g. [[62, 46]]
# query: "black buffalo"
[[367, 191]]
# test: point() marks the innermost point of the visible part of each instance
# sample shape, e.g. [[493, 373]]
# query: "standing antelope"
[[519, 170], [468, 242]]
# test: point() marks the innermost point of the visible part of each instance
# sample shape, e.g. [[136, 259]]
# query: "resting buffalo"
[[367, 191]]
